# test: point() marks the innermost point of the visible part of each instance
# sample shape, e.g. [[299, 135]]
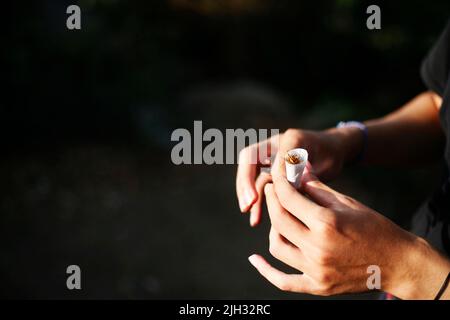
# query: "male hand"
[[332, 239], [327, 150]]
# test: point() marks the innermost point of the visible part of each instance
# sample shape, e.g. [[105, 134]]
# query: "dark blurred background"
[[86, 117]]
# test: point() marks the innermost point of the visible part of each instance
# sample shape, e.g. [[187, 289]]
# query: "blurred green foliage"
[[149, 52]]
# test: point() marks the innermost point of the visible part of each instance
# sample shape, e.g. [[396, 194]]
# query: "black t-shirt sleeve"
[[436, 65]]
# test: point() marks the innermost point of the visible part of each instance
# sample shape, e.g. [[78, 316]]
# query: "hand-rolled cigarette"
[[295, 160]]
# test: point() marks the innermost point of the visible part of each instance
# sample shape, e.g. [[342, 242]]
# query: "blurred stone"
[[236, 105]]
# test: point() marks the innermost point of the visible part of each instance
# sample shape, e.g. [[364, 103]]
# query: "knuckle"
[[323, 258], [273, 244], [327, 290], [290, 132], [337, 206], [243, 157], [284, 285], [324, 290], [278, 220], [293, 135], [276, 223], [247, 154], [268, 188], [284, 195], [273, 250], [348, 200], [331, 221], [325, 284], [277, 180], [325, 231], [325, 278], [243, 152]]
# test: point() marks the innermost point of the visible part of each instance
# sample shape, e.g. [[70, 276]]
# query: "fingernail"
[[253, 259], [252, 219], [241, 204], [248, 197]]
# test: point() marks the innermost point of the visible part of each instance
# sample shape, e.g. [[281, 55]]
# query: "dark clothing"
[[432, 220]]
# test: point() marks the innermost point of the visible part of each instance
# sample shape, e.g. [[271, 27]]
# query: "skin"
[[332, 238], [323, 148]]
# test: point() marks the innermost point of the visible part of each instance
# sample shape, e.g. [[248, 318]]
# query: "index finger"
[[249, 159], [245, 179]]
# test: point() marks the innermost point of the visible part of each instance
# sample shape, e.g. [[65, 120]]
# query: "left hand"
[[332, 239]]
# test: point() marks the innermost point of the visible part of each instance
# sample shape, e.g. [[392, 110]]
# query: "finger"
[[245, 179], [319, 192], [309, 167], [292, 200], [283, 281], [256, 209], [287, 253], [287, 143], [288, 226], [249, 159], [277, 169]]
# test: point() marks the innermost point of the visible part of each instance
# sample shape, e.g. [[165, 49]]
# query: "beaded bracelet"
[[443, 287]]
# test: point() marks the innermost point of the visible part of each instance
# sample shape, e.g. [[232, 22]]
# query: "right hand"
[[327, 151]]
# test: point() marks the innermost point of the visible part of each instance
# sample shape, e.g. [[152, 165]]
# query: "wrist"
[[421, 272], [350, 142]]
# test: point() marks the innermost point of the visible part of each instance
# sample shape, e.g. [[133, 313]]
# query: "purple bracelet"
[[363, 128]]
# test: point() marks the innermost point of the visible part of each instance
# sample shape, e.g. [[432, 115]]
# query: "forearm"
[[411, 134], [421, 273]]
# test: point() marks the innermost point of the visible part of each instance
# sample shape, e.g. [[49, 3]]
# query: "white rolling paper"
[[295, 160]]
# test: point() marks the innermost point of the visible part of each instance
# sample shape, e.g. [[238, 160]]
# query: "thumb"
[[318, 191]]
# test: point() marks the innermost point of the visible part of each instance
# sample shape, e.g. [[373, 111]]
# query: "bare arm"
[[408, 135]]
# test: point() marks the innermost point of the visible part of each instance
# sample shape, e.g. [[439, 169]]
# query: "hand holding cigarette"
[[333, 239], [325, 149]]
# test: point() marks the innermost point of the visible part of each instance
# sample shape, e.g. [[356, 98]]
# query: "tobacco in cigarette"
[[293, 158]]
